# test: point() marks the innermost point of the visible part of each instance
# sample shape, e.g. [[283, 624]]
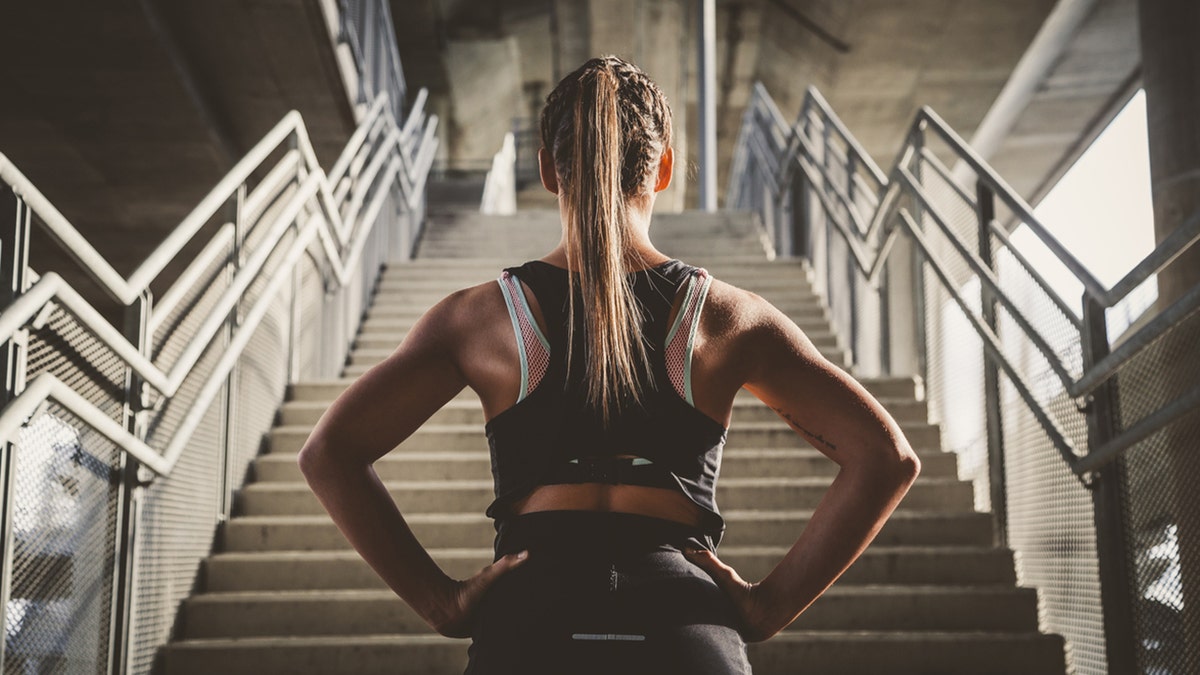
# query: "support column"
[[706, 70], [1171, 74]]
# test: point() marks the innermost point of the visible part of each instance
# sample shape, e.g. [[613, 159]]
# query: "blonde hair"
[[606, 125]]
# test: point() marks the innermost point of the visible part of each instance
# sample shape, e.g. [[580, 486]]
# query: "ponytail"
[[596, 245], [606, 125]]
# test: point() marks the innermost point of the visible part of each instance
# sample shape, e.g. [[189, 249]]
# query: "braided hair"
[[606, 125]]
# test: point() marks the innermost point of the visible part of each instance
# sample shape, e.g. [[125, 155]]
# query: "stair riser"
[[398, 467], [898, 390], [451, 279], [952, 610], [267, 573], [287, 440], [410, 300], [976, 655], [240, 534], [307, 415], [393, 329], [372, 352], [299, 500], [445, 284], [827, 655]]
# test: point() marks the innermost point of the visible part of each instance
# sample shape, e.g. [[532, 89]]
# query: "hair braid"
[[607, 126]]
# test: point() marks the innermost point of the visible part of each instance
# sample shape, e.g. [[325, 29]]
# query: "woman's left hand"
[[758, 611]]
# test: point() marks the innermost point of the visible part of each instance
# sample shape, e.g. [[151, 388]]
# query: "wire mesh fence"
[[1162, 505]]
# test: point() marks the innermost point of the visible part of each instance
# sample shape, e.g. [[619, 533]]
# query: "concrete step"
[[811, 323], [891, 388], [801, 313], [838, 357], [457, 411], [823, 652], [371, 347], [842, 607], [326, 570], [371, 350], [454, 496], [430, 437], [737, 270], [473, 530], [476, 465], [426, 294], [749, 277]]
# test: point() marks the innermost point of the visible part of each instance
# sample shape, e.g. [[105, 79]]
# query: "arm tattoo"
[[812, 434]]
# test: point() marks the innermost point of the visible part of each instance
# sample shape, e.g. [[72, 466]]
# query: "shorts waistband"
[[584, 531]]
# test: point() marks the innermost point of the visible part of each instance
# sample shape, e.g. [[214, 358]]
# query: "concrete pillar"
[[572, 36], [1171, 73], [485, 96]]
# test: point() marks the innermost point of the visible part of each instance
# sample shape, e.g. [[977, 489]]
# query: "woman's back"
[[606, 579]]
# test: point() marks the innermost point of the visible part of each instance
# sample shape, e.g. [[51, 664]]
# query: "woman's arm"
[[842, 420], [374, 415]]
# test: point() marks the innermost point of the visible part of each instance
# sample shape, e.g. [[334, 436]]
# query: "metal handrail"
[[760, 143], [342, 241]]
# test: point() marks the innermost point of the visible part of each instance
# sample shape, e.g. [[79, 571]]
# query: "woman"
[[607, 373]]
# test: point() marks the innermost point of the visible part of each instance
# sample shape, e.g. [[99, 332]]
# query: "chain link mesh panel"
[[1162, 504], [178, 520], [954, 381], [64, 526], [64, 502]]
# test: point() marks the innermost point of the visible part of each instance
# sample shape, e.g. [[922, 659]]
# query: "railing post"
[[225, 498], [1108, 500], [985, 211], [131, 489], [15, 221], [851, 268], [918, 267], [294, 309]]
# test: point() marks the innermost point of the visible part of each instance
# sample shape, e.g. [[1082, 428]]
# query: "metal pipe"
[[15, 219], [989, 280], [1101, 456], [706, 70], [1018, 206], [1002, 234], [985, 213], [186, 282]]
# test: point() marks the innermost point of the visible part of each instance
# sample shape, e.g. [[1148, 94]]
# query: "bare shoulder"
[[733, 313], [454, 321]]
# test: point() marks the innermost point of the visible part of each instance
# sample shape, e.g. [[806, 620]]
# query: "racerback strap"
[[534, 349], [682, 336], [532, 346]]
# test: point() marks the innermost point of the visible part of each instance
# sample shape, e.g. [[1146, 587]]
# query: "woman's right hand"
[[456, 609], [758, 614]]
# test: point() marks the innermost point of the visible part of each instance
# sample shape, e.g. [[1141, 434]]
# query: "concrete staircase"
[[286, 594]]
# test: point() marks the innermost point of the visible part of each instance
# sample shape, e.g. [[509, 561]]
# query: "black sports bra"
[[552, 436]]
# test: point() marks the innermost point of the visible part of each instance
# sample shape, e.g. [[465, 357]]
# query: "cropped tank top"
[[551, 435]]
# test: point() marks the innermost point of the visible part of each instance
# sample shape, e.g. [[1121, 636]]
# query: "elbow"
[[908, 467], [312, 456], [904, 466], [898, 467]]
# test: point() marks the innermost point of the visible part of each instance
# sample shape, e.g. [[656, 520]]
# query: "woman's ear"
[[546, 170], [666, 167]]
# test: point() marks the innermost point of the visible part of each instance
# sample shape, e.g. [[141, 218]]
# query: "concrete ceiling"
[[877, 61]]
